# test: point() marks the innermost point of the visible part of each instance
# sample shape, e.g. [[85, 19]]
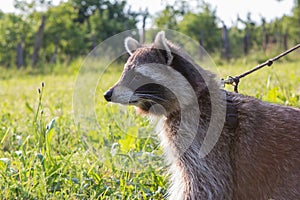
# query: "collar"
[[231, 112]]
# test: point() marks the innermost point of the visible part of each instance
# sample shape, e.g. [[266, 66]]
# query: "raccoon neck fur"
[[193, 177]]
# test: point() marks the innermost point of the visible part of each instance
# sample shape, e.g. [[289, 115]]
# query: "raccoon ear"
[[160, 42], [131, 45]]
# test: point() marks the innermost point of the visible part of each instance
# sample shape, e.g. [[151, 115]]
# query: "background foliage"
[[73, 28]]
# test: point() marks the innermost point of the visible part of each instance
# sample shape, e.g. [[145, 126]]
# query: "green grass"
[[45, 155]]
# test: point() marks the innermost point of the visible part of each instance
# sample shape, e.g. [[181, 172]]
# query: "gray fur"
[[161, 43], [131, 45], [258, 159]]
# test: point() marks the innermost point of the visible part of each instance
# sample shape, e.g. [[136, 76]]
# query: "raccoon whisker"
[[158, 98], [147, 92], [150, 97]]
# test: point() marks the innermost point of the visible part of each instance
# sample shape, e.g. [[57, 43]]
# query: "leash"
[[234, 81]]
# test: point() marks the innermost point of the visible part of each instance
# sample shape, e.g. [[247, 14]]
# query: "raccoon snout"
[[108, 94]]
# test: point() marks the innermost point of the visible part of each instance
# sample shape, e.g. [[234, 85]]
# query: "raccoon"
[[256, 155]]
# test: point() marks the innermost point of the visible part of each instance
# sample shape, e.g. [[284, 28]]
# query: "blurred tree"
[[104, 18], [144, 14], [236, 36], [225, 51], [20, 59], [286, 27], [265, 34], [14, 31], [172, 14], [38, 42], [86, 8], [249, 27], [296, 21], [30, 6], [63, 36], [202, 27], [74, 27], [168, 18], [28, 10]]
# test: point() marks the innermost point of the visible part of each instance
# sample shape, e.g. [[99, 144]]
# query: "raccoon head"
[[149, 80]]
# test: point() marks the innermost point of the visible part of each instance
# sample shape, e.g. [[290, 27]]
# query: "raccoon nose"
[[108, 94]]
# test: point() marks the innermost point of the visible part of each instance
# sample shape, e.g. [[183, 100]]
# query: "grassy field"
[[46, 155]]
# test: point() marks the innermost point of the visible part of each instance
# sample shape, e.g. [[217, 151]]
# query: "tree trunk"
[[144, 15], [54, 56], [285, 40], [265, 38], [225, 43], [20, 58], [246, 43], [38, 42], [200, 41], [266, 41]]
